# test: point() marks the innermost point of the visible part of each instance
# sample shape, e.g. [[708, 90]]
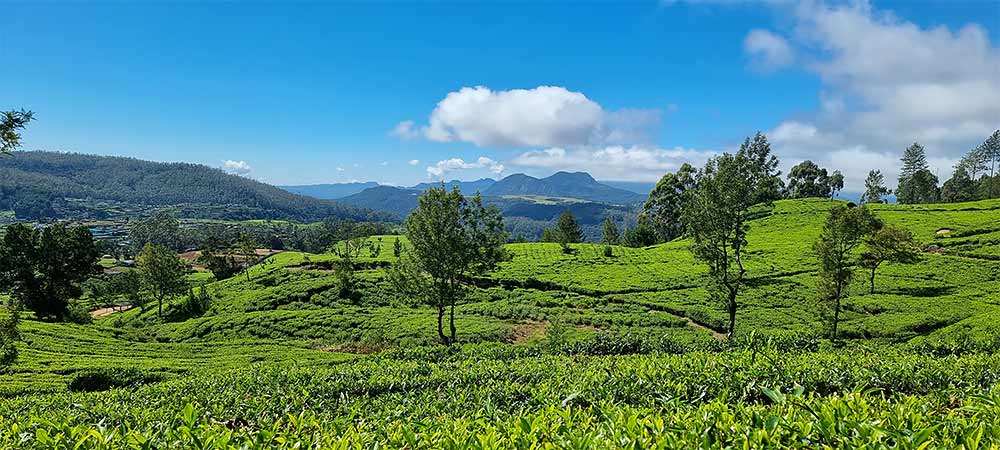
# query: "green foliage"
[[452, 238], [888, 244], [875, 188], [43, 269], [844, 230], [806, 180], [665, 203], [162, 273], [609, 232], [11, 122], [107, 378], [916, 182]]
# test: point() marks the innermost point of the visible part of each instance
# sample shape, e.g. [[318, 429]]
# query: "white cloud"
[[413, 162], [767, 51], [634, 163], [888, 82], [236, 167], [540, 117], [340, 169], [443, 167], [405, 130]]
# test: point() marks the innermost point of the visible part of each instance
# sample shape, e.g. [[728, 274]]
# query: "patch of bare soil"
[[528, 331], [101, 312]]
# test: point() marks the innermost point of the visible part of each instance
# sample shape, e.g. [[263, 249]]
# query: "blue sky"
[[297, 93]]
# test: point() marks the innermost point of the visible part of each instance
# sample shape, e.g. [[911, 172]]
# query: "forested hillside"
[[40, 185]]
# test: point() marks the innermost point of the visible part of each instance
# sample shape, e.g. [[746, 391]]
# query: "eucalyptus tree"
[[452, 239], [845, 228]]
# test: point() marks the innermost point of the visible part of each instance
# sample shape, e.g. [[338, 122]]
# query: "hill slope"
[[69, 185]]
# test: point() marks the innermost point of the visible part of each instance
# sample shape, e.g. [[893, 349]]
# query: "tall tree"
[[888, 244], [11, 124], [716, 216], [569, 228], [843, 231], [875, 188], [960, 188], [665, 203], [991, 152], [609, 232], [451, 239], [160, 229], [809, 180], [247, 247], [162, 272], [43, 269], [916, 182], [763, 169]]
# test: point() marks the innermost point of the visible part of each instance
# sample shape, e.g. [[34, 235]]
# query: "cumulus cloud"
[[443, 167], [413, 162], [888, 82], [236, 167], [616, 162], [544, 116], [767, 51]]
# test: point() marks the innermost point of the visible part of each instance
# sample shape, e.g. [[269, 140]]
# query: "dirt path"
[[715, 334], [101, 312]]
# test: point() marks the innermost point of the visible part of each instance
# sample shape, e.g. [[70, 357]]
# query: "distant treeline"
[[35, 185]]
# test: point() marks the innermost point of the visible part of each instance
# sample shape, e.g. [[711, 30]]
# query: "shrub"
[[108, 378]]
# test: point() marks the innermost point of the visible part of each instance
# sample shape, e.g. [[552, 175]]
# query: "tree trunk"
[[248, 273], [731, 306], [451, 320], [159, 304], [872, 280], [444, 338], [836, 317]]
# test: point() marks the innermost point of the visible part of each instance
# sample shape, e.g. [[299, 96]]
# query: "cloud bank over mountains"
[[885, 83]]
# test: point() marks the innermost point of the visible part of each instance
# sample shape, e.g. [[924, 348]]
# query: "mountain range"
[[575, 185]]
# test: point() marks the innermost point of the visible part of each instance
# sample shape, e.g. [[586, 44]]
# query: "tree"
[[808, 180], [569, 228], [642, 235], [9, 335], [875, 188], [43, 269], [844, 229], [130, 285], [609, 232], [888, 244], [11, 122], [248, 250], [715, 215], [222, 264], [960, 188], [160, 229], [451, 238], [163, 273], [916, 182], [991, 153], [763, 169], [665, 203], [397, 248]]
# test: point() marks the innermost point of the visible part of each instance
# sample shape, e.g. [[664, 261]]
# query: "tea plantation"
[[557, 350]]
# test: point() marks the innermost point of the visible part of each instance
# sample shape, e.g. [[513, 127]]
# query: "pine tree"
[[874, 188], [916, 183], [610, 234]]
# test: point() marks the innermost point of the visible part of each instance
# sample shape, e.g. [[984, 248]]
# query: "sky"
[[401, 93]]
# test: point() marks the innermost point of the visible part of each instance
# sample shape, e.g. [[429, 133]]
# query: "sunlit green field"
[[559, 350]]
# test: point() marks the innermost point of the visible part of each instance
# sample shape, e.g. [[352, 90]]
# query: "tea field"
[[558, 350]]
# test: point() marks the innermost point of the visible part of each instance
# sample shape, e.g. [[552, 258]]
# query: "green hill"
[[38, 185], [574, 349]]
